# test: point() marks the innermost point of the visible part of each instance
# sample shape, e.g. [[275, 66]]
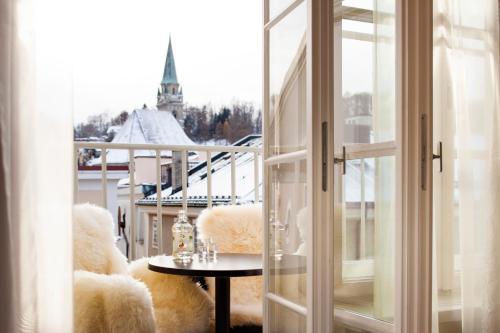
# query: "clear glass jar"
[[276, 231], [182, 238]]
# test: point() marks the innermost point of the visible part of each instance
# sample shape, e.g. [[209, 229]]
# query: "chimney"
[[176, 171]]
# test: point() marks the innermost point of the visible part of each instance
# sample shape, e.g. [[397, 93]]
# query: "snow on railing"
[[158, 148]]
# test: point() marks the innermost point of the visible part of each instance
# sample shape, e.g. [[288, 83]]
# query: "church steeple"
[[169, 72], [169, 96]]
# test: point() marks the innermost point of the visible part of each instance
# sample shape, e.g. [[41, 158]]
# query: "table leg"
[[222, 304]]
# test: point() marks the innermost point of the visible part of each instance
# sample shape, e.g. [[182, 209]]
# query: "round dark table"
[[227, 265]]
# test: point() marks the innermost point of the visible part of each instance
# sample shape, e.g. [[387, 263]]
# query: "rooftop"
[[221, 173], [146, 126]]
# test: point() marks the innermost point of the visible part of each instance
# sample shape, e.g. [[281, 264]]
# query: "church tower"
[[170, 93]]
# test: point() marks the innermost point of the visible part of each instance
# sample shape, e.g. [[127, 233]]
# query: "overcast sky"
[[121, 45]]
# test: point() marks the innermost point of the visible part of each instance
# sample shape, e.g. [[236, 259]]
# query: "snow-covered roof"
[[113, 129], [221, 175], [146, 126], [352, 180]]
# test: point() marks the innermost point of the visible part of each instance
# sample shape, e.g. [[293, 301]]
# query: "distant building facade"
[[358, 118]]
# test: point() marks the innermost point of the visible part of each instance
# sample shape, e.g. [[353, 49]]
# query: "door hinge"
[[324, 156], [423, 152]]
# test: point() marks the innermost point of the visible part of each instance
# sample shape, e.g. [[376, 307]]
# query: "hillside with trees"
[[223, 126], [98, 126], [228, 123], [201, 124]]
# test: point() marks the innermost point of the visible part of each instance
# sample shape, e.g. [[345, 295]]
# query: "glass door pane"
[[365, 72], [285, 320], [287, 231], [365, 180], [366, 227], [285, 167], [287, 83], [276, 7]]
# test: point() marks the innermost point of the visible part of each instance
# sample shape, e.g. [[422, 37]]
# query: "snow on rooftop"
[[221, 175], [221, 186], [221, 181], [352, 180], [146, 126], [113, 129]]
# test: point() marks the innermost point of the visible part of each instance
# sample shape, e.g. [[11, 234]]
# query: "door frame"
[[320, 164], [416, 90]]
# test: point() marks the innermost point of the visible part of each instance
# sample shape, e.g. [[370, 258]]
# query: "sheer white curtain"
[[384, 125], [35, 167], [467, 193]]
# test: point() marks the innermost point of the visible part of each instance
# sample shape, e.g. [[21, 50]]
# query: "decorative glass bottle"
[[182, 239], [276, 230]]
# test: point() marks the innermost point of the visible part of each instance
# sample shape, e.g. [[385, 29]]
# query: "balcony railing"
[[105, 147]]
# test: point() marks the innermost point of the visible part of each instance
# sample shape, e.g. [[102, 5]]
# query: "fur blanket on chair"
[[114, 297], [181, 306], [237, 229], [94, 248], [112, 303]]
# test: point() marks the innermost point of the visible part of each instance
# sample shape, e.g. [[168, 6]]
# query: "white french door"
[[298, 230], [347, 105], [287, 118], [285, 166]]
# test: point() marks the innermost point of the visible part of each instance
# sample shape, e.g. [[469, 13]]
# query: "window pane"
[[358, 4], [287, 231], [287, 83], [367, 227], [278, 6], [284, 320], [364, 113], [364, 54], [343, 328]]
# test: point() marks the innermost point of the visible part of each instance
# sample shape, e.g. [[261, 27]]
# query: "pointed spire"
[[169, 73]]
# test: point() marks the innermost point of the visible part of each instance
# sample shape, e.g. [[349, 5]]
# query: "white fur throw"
[[111, 304], [107, 303], [181, 306], [94, 247], [237, 229]]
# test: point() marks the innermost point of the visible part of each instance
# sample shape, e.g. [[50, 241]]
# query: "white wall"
[[90, 190]]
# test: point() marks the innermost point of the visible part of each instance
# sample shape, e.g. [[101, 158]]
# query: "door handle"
[[342, 160], [439, 155]]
